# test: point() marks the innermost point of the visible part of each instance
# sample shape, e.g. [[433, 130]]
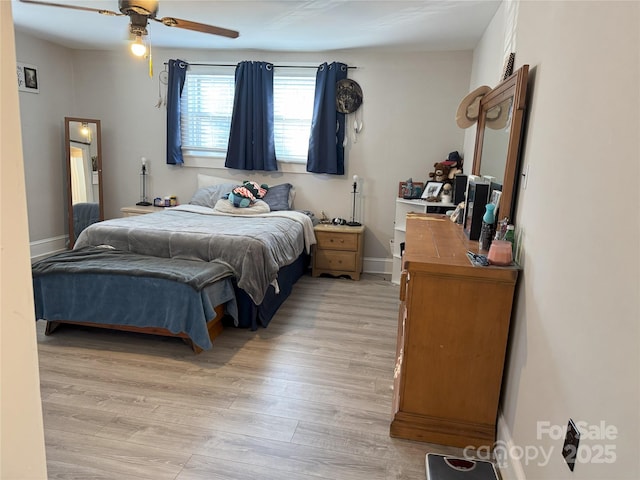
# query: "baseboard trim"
[[511, 468], [46, 247], [377, 265]]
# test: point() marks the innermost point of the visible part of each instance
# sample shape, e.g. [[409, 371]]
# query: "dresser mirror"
[[500, 126], [84, 174]]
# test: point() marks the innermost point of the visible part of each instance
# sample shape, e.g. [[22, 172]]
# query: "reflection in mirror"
[[496, 140], [84, 174], [498, 136]]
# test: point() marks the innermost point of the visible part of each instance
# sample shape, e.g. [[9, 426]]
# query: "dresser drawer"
[[335, 260], [337, 241]]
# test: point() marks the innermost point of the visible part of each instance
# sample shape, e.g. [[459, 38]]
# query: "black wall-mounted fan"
[[140, 12]]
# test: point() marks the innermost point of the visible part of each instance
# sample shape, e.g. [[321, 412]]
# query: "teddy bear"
[[440, 173], [446, 171], [246, 194]]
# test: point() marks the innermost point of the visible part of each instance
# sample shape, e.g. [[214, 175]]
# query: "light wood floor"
[[309, 397]]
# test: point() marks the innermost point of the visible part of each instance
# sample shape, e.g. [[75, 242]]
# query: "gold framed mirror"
[[498, 137], [83, 149]]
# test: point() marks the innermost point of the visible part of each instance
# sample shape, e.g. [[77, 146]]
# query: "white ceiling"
[[280, 25]]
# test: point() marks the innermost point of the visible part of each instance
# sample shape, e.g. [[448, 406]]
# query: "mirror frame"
[[67, 146], [514, 86]]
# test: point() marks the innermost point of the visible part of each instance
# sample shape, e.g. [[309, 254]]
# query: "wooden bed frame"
[[214, 327]]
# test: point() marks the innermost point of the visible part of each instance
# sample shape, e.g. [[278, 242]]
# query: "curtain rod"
[[235, 65]]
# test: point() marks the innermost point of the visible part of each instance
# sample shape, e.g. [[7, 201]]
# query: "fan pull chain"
[[150, 62]]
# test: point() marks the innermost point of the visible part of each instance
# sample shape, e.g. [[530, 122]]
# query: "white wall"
[[43, 138], [22, 454], [488, 63], [574, 343], [408, 113]]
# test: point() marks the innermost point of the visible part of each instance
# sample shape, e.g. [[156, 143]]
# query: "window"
[[207, 105], [292, 111]]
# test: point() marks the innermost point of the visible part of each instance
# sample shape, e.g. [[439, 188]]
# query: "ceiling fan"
[[139, 13]]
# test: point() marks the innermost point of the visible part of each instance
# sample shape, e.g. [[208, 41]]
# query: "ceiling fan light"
[[138, 48]]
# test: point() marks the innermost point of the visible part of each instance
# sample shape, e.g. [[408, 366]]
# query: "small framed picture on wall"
[[27, 76]]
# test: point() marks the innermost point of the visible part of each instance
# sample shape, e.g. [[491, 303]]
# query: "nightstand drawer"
[[337, 241], [335, 260]]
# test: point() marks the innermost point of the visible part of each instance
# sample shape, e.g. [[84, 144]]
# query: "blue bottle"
[[488, 227]]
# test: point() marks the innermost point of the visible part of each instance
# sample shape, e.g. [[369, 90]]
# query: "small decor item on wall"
[[410, 189], [28, 80], [348, 96], [508, 66]]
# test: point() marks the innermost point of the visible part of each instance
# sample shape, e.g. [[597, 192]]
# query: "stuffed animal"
[[446, 192], [440, 173], [246, 194], [454, 161], [445, 171]]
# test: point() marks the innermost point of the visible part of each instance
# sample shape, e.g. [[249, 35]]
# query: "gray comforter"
[[255, 246], [108, 261]]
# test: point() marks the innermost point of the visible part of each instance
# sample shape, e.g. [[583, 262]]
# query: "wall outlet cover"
[[571, 441]]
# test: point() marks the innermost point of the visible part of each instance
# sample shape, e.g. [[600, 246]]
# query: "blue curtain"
[[326, 153], [177, 75], [251, 139]]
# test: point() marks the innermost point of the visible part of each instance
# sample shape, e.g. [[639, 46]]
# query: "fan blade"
[[198, 27], [74, 7]]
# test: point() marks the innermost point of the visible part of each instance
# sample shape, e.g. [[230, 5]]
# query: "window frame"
[[215, 157]]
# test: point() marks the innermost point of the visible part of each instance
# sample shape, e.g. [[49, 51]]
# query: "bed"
[[265, 250]]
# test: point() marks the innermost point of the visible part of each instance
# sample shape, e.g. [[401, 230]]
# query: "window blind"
[[207, 106]]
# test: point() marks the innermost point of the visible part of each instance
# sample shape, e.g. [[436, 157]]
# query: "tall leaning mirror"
[[84, 174], [500, 126]]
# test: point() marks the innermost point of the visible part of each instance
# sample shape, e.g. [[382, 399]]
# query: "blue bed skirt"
[[251, 315]]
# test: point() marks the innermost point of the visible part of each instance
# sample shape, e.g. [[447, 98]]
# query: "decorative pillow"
[[208, 180], [280, 197], [208, 196], [224, 206], [246, 194]]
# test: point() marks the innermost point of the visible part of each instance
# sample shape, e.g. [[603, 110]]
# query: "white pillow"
[[224, 205], [208, 180]]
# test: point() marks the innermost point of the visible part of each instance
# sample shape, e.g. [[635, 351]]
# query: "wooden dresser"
[[453, 327], [338, 250]]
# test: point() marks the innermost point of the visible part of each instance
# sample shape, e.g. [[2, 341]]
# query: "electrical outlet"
[[570, 447]]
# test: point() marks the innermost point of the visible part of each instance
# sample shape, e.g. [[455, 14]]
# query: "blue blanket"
[[84, 214], [111, 296]]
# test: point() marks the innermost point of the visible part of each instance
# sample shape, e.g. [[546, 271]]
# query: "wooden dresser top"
[[434, 241]]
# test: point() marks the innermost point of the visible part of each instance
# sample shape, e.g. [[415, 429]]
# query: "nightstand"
[[139, 210], [338, 250]]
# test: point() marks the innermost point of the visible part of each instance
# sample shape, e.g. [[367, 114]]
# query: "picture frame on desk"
[[495, 192], [410, 193], [432, 190]]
